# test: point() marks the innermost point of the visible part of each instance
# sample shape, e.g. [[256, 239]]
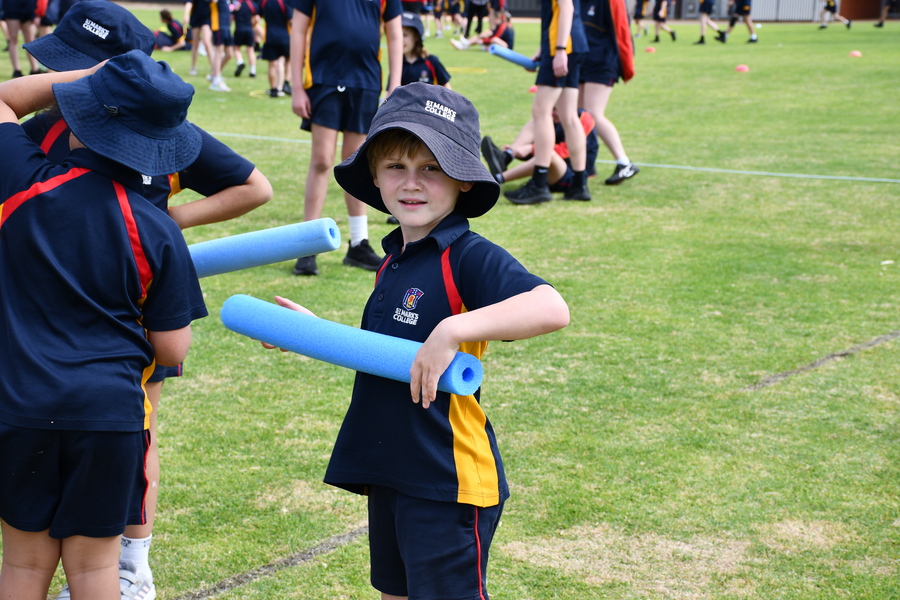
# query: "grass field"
[[645, 461]]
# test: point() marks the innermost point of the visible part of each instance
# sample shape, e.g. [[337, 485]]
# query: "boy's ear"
[[464, 186], [375, 180]]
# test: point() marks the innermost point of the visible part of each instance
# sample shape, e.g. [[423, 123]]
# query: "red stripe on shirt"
[[452, 293], [143, 266], [55, 131], [16, 200]]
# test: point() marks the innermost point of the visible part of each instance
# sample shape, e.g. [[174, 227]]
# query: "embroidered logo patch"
[[440, 110], [412, 298], [95, 28]]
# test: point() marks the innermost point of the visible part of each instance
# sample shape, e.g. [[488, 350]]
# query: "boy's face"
[[416, 191]]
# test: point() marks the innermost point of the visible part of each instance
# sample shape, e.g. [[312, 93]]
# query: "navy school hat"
[[133, 110], [92, 31], [447, 123], [412, 20]]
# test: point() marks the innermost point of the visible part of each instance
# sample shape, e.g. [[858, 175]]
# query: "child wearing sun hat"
[[428, 460], [96, 287]]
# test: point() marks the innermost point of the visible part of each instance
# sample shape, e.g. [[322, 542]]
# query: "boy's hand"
[[431, 361], [300, 103], [293, 306]]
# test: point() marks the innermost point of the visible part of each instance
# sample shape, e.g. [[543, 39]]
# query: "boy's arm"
[[228, 204], [24, 95], [525, 315], [299, 31], [393, 31], [564, 29], [170, 347]]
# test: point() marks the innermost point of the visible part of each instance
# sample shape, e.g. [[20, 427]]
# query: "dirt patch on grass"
[[302, 496], [653, 565], [791, 537]]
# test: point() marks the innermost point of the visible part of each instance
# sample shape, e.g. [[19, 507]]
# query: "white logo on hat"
[[96, 29], [440, 110]]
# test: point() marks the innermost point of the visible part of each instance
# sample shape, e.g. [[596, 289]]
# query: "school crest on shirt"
[[404, 313]]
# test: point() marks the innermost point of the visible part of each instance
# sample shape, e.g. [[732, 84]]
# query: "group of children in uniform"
[[97, 290]]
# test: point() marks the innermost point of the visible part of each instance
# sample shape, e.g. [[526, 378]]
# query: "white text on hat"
[[96, 29], [440, 110]]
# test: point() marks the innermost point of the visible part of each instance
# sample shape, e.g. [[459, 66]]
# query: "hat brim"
[[455, 161], [55, 54], [104, 134]]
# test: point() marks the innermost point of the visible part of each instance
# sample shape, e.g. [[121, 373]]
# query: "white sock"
[[359, 229], [622, 161], [138, 552]]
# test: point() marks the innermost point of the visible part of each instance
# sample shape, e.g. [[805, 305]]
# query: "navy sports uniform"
[[174, 31], [640, 9], [660, 10], [707, 6], [77, 355], [220, 22], [576, 45], [611, 54], [244, 34], [741, 7], [19, 10], [277, 16], [426, 70], [216, 168], [200, 13], [342, 73]]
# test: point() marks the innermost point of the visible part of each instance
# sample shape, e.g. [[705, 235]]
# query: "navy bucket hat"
[[447, 123], [413, 21], [92, 31], [133, 110]]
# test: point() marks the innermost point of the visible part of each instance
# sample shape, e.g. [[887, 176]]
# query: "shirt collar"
[[446, 232], [83, 157]]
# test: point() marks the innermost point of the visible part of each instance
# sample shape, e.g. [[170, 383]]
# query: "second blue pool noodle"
[[513, 56], [342, 345], [265, 247]]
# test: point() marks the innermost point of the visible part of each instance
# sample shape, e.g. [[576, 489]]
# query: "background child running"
[[430, 498], [82, 323], [418, 63]]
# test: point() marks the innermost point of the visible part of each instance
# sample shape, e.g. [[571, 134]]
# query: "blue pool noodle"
[[265, 247], [342, 345], [513, 56]]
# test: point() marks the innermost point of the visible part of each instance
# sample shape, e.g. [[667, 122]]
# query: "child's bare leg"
[[567, 109], [596, 96], [321, 161], [14, 27], [29, 562], [351, 143], [92, 567]]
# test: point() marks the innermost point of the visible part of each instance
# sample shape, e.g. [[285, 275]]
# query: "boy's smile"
[[416, 191]]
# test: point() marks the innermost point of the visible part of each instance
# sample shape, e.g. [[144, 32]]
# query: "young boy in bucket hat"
[[428, 460], [96, 287]]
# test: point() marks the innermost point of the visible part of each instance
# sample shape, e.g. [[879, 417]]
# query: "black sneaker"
[[493, 156], [656, 40], [622, 173], [582, 193], [362, 256], [879, 24], [700, 42], [275, 93], [848, 23], [722, 37], [753, 40], [529, 193], [306, 266], [674, 37], [239, 70], [16, 74], [286, 88]]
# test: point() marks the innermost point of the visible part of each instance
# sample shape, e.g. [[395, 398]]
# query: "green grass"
[[641, 466]]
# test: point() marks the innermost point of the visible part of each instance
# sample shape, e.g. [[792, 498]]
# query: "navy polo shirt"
[[216, 168], [277, 16], [448, 452], [549, 27], [86, 266], [344, 41], [243, 17], [426, 70]]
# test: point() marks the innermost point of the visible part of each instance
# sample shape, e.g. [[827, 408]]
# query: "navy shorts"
[[545, 74], [161, 373], [427, 549], [274, 51], [707, 6], [601, 66], [565, 182], [223, 37], [341, 109], [244, 37], [742, 7], [89, 483]]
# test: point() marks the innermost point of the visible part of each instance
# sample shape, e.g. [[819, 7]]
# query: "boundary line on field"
[[773, 379], [296, 559], [651, 165]]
